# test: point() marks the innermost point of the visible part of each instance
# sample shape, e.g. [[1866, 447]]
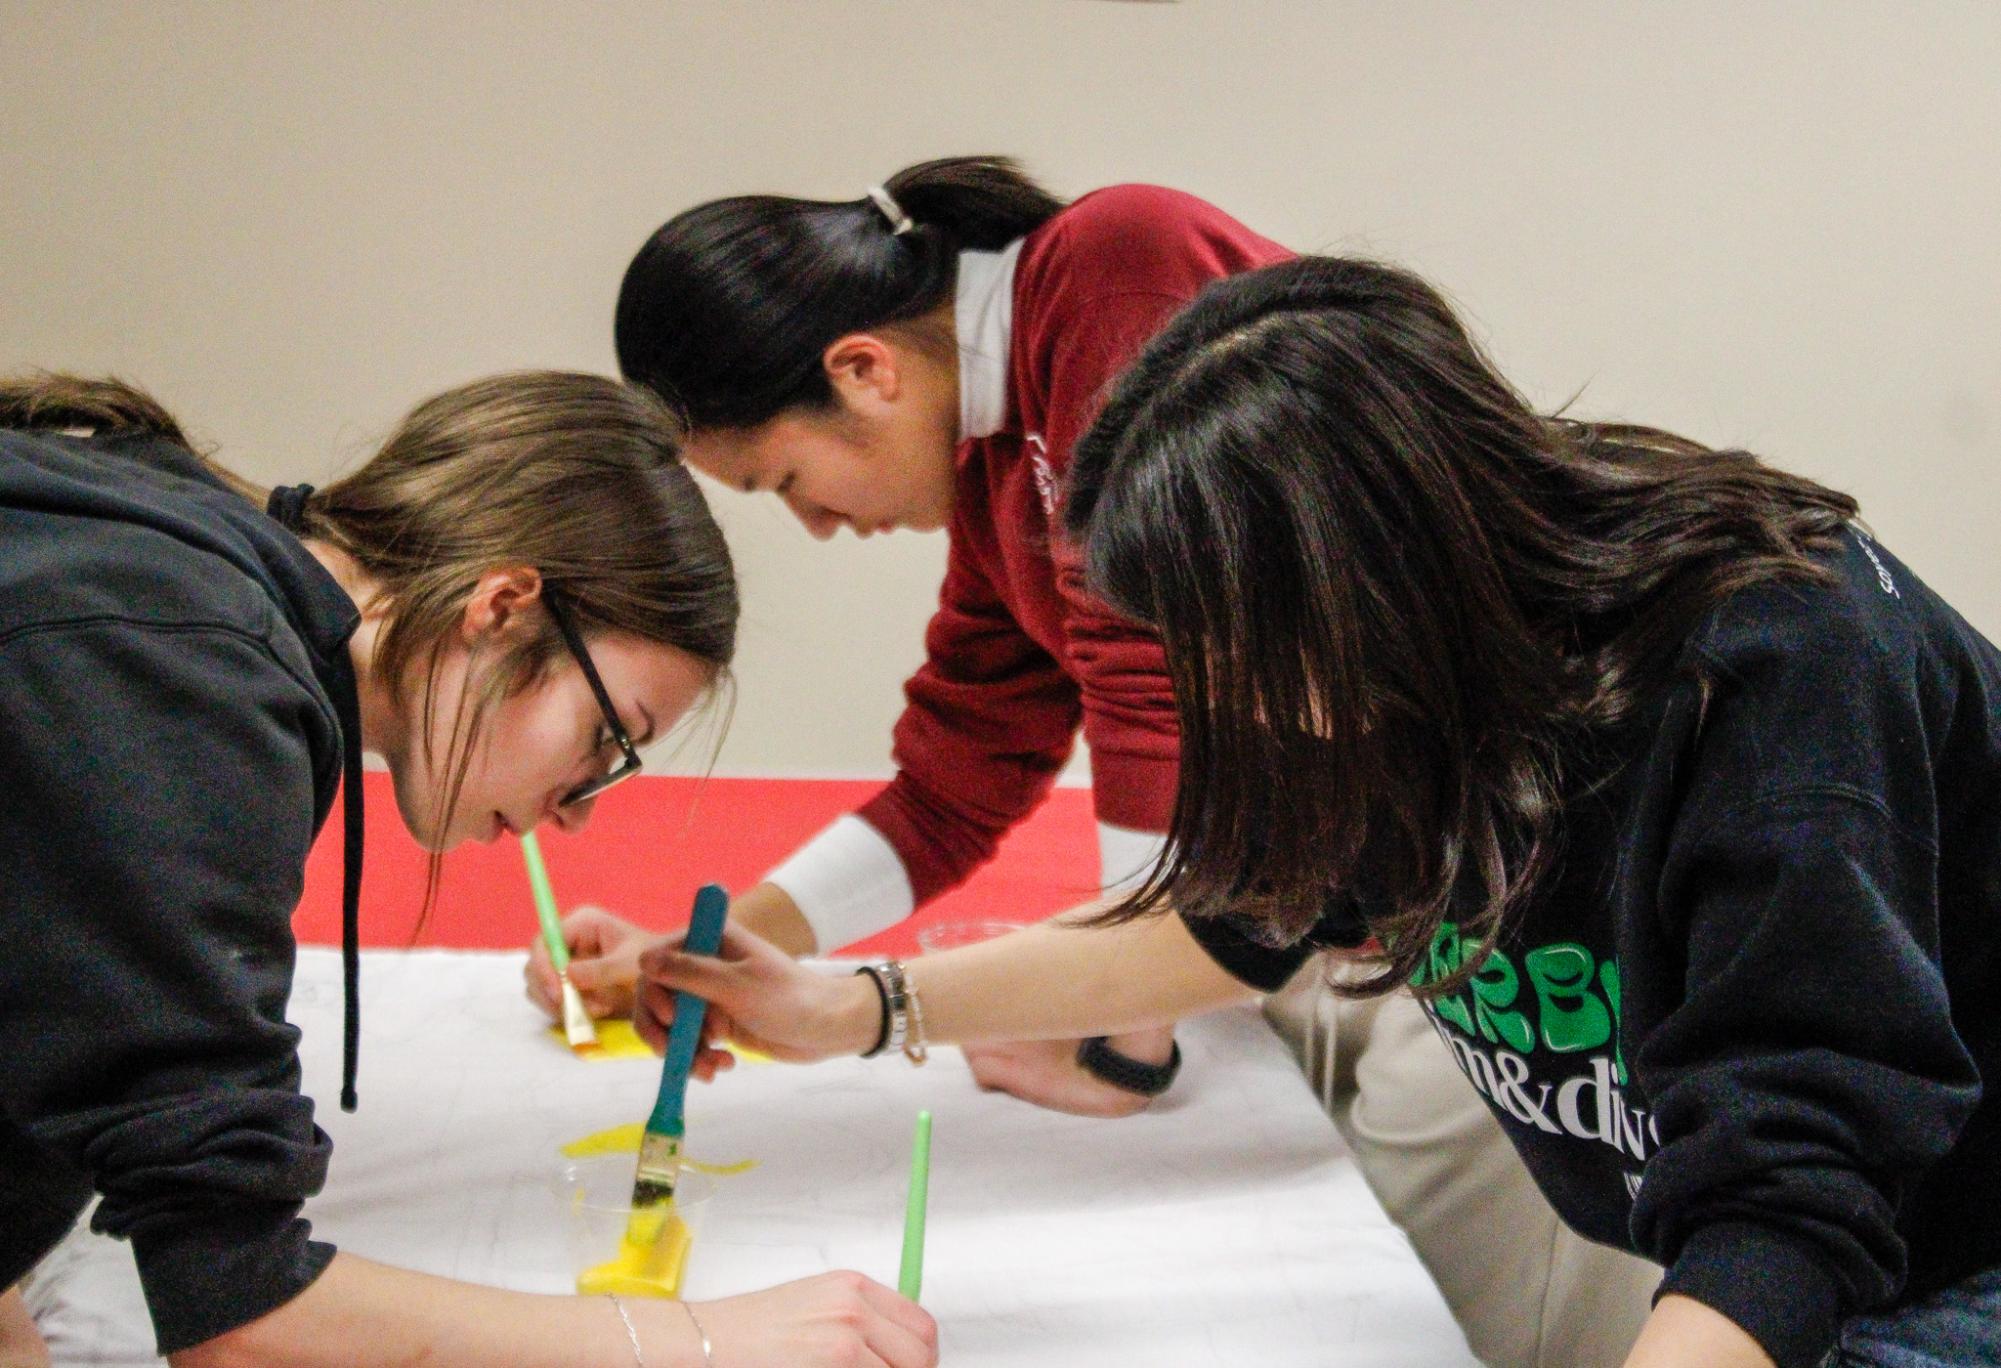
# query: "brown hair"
[[49, 401], [577, 475], [1400, 608]]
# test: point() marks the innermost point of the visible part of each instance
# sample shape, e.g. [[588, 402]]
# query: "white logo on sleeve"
[[1045, 478], [1882, 571]]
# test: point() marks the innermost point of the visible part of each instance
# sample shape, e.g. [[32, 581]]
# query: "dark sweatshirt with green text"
[[1752, 1027]]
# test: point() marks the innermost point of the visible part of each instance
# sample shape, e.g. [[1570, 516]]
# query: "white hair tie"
[[899, 222]]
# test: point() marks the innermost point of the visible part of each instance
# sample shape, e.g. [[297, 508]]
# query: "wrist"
[[669, 1334], [1153, 1046], [857, 1015]]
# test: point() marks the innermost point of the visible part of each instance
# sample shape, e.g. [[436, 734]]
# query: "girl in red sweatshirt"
[[925, 356]]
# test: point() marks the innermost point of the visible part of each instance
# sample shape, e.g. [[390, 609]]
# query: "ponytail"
[[979, 203], [726, 310]]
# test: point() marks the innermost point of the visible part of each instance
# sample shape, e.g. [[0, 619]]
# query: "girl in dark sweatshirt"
[[1674, 794], [521, 587]]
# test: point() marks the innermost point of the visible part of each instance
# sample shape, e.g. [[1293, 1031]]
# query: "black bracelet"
[[1101, 1061], [882, 991]]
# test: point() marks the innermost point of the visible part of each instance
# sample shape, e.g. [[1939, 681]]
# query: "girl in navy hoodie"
[[519, 589], [1674, 794]]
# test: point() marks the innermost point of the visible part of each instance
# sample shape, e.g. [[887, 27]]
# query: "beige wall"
[[1768, 224]]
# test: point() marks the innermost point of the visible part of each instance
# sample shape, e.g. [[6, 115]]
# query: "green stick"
[[910, 1278], [545, 903], [578, 1028]]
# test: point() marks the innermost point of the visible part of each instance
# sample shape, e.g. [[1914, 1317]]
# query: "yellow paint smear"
[[643, 1268], [616, 1040], [625, 1140]]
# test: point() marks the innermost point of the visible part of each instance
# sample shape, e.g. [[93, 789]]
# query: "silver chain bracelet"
[[631, 1330]]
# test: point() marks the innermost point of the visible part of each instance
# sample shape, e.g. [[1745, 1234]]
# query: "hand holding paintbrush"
[[660, 1146], [577, 1027], [758, 997]]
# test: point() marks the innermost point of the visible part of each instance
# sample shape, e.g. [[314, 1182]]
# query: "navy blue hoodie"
[[1752, 1028], [174, 682]]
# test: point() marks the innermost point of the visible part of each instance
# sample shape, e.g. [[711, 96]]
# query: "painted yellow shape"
[[643, 1268], [617, 1140], [625, 1140], [719, 1170], [616, 1040]]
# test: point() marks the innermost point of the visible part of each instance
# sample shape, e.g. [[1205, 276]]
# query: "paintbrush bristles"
[[578, 1028], [653, 1186]]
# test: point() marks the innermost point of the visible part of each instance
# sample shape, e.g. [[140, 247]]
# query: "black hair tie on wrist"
[[1097, 1058], [288, 505], [882, 991]]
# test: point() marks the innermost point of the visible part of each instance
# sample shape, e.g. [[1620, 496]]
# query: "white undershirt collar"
[[983, 319]]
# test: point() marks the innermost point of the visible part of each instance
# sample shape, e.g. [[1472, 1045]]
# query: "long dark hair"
[[726, 310], [1399, 606]]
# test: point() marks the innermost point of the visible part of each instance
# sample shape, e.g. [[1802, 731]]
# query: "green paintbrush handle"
[[545, 903], [910, 1277]]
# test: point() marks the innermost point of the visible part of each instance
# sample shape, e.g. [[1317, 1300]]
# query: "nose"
[[573, 817]]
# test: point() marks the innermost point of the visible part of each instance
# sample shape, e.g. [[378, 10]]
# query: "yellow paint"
[[617, 1140], [643, 1268], [616, 1040], [625, 1140]]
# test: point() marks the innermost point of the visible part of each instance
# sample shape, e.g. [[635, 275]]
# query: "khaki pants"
[[1527, 1290]]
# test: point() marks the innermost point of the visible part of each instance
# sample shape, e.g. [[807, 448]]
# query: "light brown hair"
[[577, 475]]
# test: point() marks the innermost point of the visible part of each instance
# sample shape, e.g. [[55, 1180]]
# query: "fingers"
[[1046, 1074], [709, 1063], [895, 1331], [592, 931], [897, 1346], [737, 945], [666, 968], [833, 1318], [540, 984], [599, 974], [910, 1319], [591, 934], [652, 1014]]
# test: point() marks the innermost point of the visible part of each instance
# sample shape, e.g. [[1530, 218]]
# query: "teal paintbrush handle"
[[705, 937]]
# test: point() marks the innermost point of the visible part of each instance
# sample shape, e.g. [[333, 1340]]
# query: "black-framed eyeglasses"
[[626, 768]]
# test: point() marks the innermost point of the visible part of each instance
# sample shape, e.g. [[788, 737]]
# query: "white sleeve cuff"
[[1126, 856], [848, 882]]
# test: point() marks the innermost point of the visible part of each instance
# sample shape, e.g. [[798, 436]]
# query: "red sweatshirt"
[[1018, 652]]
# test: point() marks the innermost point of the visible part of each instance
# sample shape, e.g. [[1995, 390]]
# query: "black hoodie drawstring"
[[348, 704], [287, 505]]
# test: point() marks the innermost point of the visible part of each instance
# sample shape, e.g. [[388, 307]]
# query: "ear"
[[865, 370], [498, 600]]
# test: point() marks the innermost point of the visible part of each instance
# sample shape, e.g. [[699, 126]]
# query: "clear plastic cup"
[[596, 1197], [953, 934]]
